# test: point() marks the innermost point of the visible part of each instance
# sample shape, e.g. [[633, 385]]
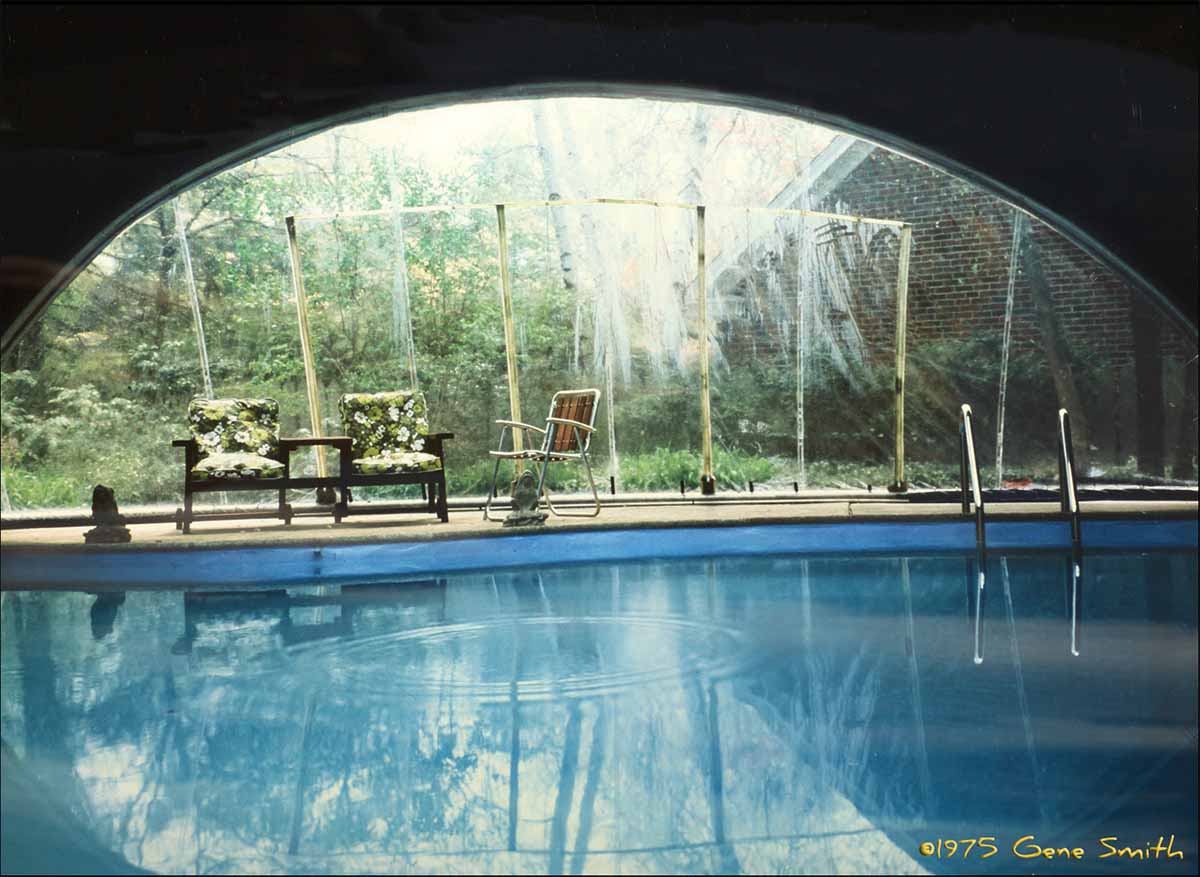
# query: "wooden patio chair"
[[391, 444], [235, 445], [566, 438]]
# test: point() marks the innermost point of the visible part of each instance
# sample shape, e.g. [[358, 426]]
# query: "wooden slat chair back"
[[577, 405]]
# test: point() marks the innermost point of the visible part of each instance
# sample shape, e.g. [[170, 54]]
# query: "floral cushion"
[[236, 465], [413, 461], [385, 424], [233, 426]]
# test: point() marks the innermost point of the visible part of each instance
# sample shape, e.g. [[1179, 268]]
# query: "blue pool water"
[[758, 714]]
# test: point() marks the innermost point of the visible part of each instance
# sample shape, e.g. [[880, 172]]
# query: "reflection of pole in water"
[[716, 786], [805, 602], [1022, 700], [514, 752], [1076, 603], [914, 675], [981, 562], [566, 788], [587, 806], [310, 710]]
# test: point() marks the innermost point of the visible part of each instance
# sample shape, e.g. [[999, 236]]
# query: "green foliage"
[[55, 458]]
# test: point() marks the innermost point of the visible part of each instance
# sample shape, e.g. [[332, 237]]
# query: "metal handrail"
[[1066, 474], [968, 467]]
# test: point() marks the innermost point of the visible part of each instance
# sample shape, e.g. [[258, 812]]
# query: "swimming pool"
[[767, 713]]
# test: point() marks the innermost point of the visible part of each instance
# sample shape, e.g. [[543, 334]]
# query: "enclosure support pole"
[[402, 333], [1014, 254], [899, 485], [510, 336], [194, 298], [708, 485], [325, 495]]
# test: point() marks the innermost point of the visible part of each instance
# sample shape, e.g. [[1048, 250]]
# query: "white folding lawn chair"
[[568, 433]]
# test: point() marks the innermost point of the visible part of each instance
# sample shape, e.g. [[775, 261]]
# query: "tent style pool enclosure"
[[853, 300]]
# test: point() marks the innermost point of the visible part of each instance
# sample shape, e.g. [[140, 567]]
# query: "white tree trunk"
[[555, 189]]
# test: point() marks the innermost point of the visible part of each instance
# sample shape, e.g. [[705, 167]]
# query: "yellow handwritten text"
[[1025, 848], [1152, 851]]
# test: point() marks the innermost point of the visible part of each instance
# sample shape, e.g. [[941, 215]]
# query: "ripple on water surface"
[[526, 657]]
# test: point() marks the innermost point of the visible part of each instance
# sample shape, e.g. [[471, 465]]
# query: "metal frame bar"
[[579, 202], [708, 484], [969, 471], [1069, 502], [899, 485], [324, 496], [1069, 499], [510, 334], [193, 296]]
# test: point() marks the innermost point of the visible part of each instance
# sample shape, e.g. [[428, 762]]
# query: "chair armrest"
[[336, 441], [519, 425], [565, 422], [183, 443], [433, 443]]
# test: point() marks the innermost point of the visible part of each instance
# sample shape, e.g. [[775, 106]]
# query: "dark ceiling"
[[1085, 114]]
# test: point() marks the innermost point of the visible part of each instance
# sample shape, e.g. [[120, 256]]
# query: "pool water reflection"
[[761, 715]]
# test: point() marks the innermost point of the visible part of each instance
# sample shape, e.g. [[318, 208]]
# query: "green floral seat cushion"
[[412, 461], [235, 426], [236, 465], [388, 431]]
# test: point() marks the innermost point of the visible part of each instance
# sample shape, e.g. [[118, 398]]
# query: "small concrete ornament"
[[110, 523], [525, 503]]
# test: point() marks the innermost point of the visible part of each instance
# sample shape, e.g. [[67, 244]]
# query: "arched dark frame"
[[283, 138]]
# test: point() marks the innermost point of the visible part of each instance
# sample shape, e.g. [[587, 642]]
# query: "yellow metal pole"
[[899, 485], [324, 495], [707, 483], [510, 335]]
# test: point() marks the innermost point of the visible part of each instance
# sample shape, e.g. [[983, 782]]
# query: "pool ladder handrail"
[[969, 468], [1068, 496]]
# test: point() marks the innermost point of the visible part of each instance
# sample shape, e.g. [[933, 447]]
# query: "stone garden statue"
[[110, 523], [525, 503]]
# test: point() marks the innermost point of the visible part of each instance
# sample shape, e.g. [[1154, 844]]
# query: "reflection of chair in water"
[[201, 607], [566, 438]]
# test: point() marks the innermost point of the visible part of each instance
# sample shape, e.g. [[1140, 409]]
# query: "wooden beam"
[[899, 485], [310, 372]]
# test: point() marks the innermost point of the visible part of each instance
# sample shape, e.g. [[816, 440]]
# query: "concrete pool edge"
[[248, 565]]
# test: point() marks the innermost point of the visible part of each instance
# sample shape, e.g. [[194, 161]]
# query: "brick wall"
[[959, 268]]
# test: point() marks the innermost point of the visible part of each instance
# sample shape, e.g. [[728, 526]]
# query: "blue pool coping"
[[285, 565]]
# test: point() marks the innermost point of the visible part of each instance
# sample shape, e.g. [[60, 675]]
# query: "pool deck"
[[469, 524]]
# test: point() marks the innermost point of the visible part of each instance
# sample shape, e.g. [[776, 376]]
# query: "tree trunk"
[[562, 227], [1147, 366], [555, 190], [166, 256], [1057, 355]]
